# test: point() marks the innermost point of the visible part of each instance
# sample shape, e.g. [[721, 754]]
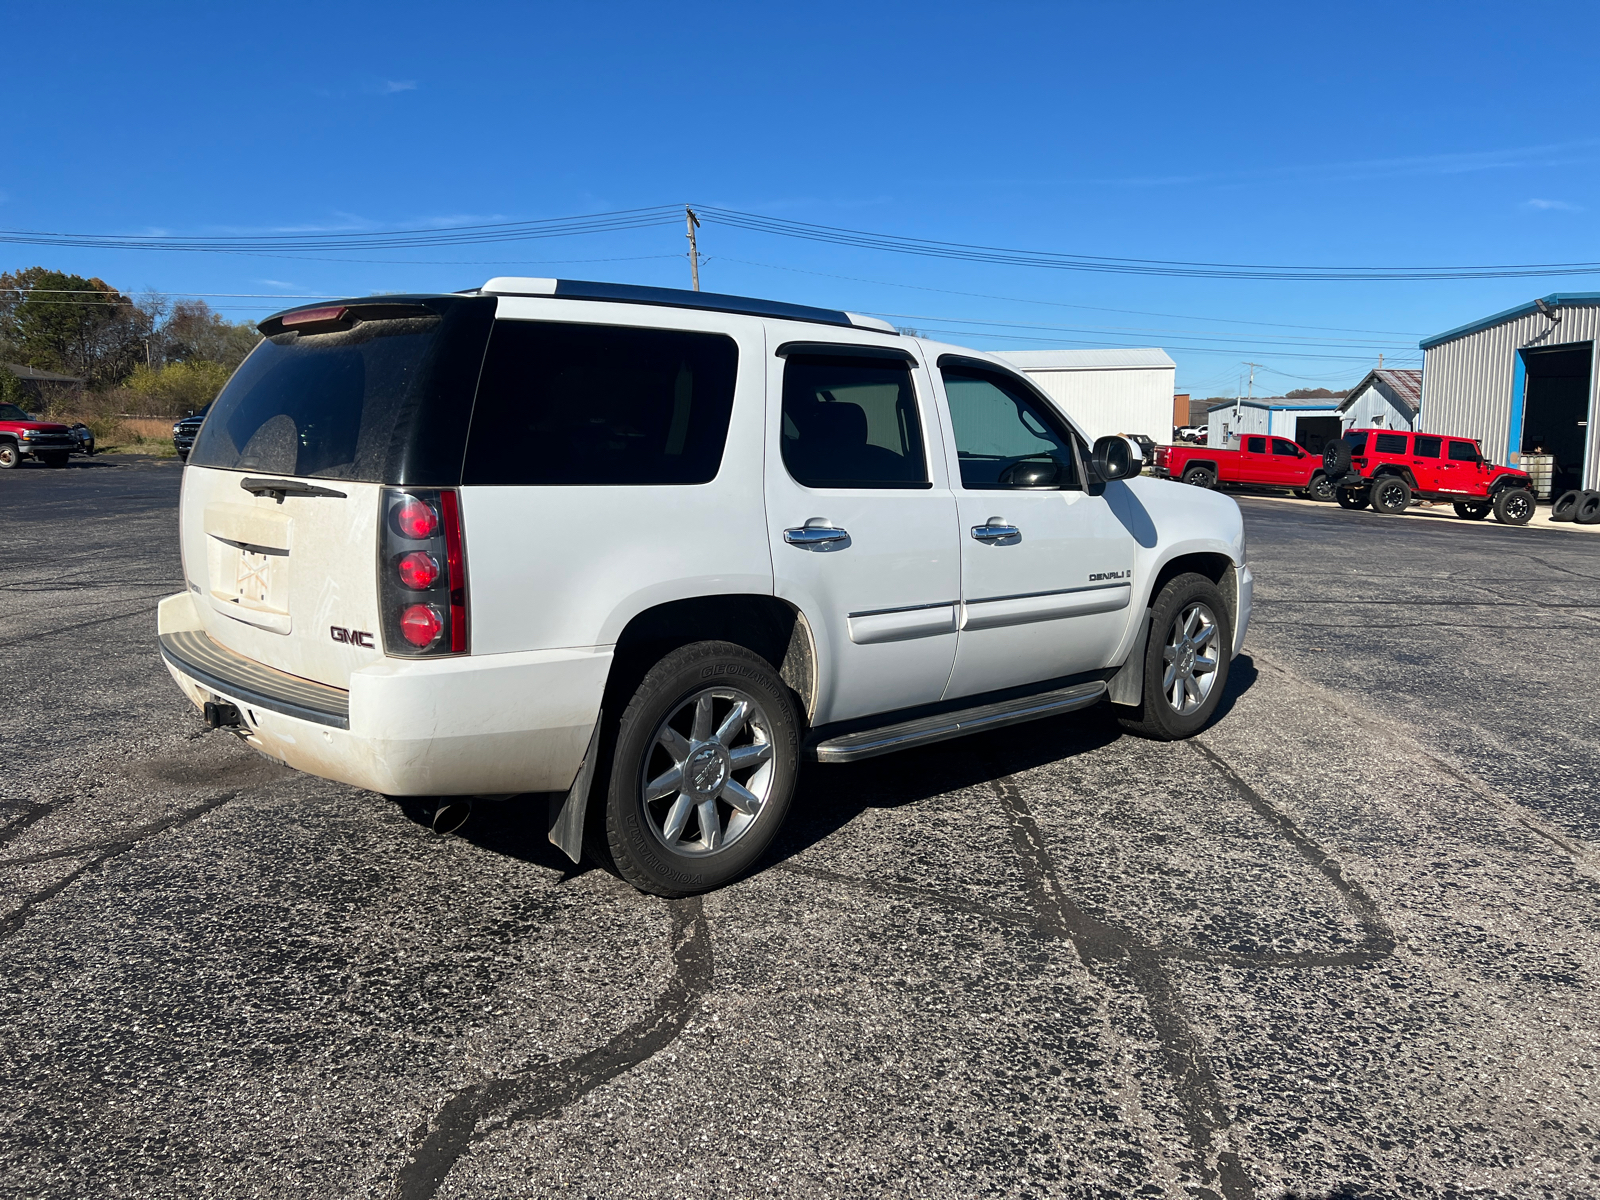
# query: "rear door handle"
[[995, 530], [818, 531]]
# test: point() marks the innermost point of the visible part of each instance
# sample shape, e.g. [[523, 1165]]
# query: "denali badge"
[[354, 637], [1101, 575]]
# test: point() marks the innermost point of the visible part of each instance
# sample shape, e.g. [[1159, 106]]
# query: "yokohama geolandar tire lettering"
[[1188, 655], [704, 766]]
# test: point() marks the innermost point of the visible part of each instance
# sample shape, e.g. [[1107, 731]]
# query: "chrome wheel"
[[708, 771], [1191, 658]]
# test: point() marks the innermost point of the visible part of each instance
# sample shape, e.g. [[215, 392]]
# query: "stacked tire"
[[1580, 507]]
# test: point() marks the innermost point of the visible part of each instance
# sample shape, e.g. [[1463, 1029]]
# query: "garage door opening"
[[1316, 432], [1555, 409]]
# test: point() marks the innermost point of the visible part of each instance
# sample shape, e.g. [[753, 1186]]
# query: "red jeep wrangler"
[[1390, 468]]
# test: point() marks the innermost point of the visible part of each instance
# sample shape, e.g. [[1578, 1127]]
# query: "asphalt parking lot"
[[1343, 944]]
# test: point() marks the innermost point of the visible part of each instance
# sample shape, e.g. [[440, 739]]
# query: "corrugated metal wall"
[[1467, 382], [1123, 400]]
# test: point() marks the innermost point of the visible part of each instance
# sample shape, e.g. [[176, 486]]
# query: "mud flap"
[[567, 812], [1127, 685]]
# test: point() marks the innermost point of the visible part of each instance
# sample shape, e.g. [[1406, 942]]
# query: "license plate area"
[[249, 583]]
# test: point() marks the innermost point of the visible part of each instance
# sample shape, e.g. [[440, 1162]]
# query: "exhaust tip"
[[451, 815]]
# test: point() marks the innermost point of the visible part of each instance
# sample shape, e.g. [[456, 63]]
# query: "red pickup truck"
[[1261, 460], [22, 438]]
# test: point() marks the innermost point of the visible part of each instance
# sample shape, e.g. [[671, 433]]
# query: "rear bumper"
[[458, 726]]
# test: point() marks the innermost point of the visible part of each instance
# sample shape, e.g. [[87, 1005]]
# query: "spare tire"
[[1336, 458], [1566, 506], [1588, 510]]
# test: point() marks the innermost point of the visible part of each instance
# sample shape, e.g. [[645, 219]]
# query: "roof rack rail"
[[630, 293]]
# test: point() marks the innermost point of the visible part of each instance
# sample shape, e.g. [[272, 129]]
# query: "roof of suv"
[[629, 293]]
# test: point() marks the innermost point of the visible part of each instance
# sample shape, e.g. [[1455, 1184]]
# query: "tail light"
[[422, 573]]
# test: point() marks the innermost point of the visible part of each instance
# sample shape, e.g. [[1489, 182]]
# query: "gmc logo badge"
[[352, 637]]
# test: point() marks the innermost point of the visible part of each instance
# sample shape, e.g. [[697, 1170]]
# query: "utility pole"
[[1252, 392], [693, 222], [1380, 360]]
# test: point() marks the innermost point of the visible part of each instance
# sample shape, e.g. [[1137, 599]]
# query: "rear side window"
[[572, 405], [1427, 447], [1357, 443], [1256, 445], [1463, 452], [1006, 438], [851, 423], [1391, 443], [1280, 446], [323, 405]]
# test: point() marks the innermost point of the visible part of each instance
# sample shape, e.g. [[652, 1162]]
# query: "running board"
[[852, 747]]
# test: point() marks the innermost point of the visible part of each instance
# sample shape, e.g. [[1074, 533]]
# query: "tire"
[[1514, 506], [1390, 495], [1588, 510], [680, 715], [1173, 627], [183, 456], [10, 456], [1336, 458], [54, 460], [1352, 498], [1320, 490], [1566, 506], [1200, 477], [1472, 512]]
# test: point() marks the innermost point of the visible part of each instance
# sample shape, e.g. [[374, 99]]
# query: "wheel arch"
[[1207, 463], [773, 628], [1217, 567]]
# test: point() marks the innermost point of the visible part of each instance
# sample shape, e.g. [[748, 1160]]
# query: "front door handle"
[[995, 529], [818, 531]]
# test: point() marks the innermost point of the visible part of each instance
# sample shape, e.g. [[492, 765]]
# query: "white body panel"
[[881, 604]]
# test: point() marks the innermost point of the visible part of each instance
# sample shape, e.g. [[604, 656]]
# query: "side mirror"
[[1115, 457]]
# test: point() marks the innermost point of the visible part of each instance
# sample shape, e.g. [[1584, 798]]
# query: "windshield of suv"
[[10, 412]]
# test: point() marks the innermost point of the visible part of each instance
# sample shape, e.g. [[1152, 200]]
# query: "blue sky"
[[1339, 134]]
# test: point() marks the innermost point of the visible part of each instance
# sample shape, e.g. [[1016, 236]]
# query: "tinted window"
[[1427, 447], [1357, 443], [571, 405], [321, 404], [1005, 437], [10, 412], [1279, 446], [1256, 445], [851, 423], [1463, 452], [1391, 443]]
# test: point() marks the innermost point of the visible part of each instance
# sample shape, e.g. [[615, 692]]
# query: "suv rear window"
[[1391, 443], [1357, 443], [370, 402], [851, 423], [565, 405]]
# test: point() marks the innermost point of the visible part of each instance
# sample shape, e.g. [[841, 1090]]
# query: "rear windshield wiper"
[[279, 488]]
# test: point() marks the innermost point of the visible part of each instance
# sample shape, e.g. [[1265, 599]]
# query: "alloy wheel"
[[708, 771], [1190, 655]]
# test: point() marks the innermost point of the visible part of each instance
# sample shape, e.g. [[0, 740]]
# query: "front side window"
[[1464, 452], [1256, 445], [1006, 438], [1283, 446], [1427, 447], [1391, 443], [566, 405], [851, 423]]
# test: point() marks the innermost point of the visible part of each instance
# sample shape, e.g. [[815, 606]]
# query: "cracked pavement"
[[1343, 944]]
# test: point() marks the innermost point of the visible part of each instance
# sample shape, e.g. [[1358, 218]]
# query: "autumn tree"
[[66, 323]]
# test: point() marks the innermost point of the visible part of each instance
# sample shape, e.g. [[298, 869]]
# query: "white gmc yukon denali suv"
[[645, 550]]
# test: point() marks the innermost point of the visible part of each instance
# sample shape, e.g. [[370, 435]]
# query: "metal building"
[[1106, 391], [1311, 425], [1385, 399], [1521, 382]]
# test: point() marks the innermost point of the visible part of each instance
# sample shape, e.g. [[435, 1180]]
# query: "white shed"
[[1385, 399], [1106, 391], [1311, 425]]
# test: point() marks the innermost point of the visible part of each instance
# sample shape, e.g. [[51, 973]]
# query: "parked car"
[[84, 437], [1260, 461], [22, 437], [648, 549], [184, 431], [1389, 468]]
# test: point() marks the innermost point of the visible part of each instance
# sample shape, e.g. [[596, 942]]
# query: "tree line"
[[151, 354]]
